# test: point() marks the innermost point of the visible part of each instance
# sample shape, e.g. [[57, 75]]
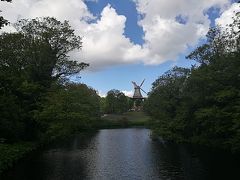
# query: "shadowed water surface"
[[123, 154]]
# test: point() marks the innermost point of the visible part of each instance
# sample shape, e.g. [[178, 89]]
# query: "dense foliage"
[[116, 102], [202, 104], [36, 97], [68, 109], [12, 152]]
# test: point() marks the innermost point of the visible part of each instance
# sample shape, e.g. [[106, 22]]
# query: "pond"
[[119, 154]]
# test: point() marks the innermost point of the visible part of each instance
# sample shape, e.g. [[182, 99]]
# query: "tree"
[[31, 60], [116, 102], [202, 105], [122, 103], [164, 100], [215, 89], [220, 42], [102, 105], [68, 108], [59, 39]]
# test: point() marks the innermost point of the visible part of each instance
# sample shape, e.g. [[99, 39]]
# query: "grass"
[[129, 119]]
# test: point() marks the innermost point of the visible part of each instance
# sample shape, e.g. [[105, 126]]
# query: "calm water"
[[120, 154]]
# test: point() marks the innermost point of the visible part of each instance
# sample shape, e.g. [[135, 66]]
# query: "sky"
[[129, 40]]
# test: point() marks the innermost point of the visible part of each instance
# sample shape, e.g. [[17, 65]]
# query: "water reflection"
[[122, 154]]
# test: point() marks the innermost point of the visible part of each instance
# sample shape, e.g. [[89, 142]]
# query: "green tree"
[[59, 39], [67, 109], [102, 105], [164, 100], [30, 61], [202, 105], [116, 102], [215, 89]]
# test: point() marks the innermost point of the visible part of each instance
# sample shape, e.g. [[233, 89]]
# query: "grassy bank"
[[129, 119], [11, 153]]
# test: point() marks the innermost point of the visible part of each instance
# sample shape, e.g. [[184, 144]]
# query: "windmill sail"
[[142, 83], [143, 91]]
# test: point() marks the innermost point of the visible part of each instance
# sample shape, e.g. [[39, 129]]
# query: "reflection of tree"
[[167, 160]]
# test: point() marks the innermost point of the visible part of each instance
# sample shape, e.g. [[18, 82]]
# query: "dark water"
[[120, 154]]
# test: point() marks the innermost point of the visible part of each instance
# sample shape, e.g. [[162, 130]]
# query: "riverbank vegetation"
[[202, 104], [38, 102], [12, 152], [115, 109], [126, 119], [115, 102]]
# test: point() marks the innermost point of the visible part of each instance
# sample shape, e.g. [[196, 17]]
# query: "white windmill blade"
[[143, 91], [142, 83]]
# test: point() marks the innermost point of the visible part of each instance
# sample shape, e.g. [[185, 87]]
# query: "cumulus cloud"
[[71, 10], [105, 44], [226, 17], [127, 93], [170, 27]]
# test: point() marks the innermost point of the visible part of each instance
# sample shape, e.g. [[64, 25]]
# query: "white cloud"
[[127, 93], [102, 94], [226, 17], [165, 36], [73, 10], [92, 0], [104, 42]]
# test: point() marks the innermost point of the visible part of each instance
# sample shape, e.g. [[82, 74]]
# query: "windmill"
[[137, 96]]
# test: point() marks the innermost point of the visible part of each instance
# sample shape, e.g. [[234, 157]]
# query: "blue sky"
[[129, 40], [123, 7], [120, 76]]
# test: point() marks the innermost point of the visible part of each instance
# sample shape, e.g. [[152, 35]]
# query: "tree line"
[[116, 102], [37, 99], [202, 104]]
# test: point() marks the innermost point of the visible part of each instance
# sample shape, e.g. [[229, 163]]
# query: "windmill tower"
[[137, 96]]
